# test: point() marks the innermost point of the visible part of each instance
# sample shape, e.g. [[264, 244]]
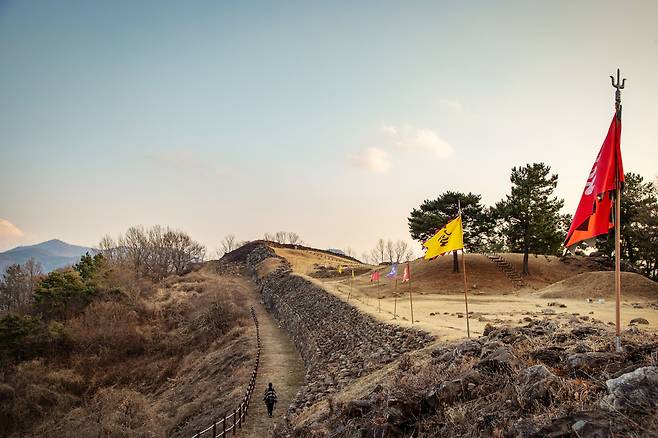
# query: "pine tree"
[[531, 214], [432, 215]]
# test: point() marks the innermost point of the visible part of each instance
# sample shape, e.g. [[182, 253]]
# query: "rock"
[[500, 360], [580, 424], [639, 321], [488, 328], [591, 361], [636, 391], [537, 384], [585, 331], [468, 347], [552, 356], [450, 391]]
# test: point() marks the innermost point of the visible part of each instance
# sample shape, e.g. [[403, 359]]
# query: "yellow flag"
[[340, 269], [448, 238], [352, 273]]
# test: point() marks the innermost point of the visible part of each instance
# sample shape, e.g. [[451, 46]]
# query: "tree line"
[[529, 220]]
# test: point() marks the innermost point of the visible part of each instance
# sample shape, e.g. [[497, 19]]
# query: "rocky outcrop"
[[337, 342]]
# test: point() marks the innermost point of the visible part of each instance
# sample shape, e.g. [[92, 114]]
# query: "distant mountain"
[[52, 254]]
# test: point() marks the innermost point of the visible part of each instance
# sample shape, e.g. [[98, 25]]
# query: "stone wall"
[[337, 342]]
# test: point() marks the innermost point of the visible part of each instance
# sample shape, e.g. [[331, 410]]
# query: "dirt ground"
[[444, 314], [282, 365]]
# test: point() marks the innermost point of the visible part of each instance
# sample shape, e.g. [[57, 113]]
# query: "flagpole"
[[468, 325], [411, 299], [395, 302], [618, 87]]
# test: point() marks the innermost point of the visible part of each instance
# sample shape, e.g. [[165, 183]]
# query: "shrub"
[[62, 293], [107, 328]]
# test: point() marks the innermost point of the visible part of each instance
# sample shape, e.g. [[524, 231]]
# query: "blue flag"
[[394, 272]]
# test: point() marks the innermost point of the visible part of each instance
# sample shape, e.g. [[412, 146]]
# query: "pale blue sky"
[[331, 119]]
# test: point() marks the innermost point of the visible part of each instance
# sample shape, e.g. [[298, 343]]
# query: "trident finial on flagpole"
[[619, 86]]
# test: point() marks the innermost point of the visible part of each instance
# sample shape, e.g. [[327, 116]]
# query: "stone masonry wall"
[[337, 342]]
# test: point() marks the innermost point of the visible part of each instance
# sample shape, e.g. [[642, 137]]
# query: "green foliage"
[[62, 293], [435, 213], [88, 265], [23, 337], [639, 226], [530, 215]]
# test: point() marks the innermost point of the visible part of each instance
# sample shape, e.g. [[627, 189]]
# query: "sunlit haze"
[[330, 119]]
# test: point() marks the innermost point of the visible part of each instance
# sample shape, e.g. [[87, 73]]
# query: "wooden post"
[[468, 327], [411, 299], [379, 309]]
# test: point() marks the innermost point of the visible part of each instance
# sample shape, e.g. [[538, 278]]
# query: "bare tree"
[[280, 237], [401, 250], [390, 250], [228, 244], [378, 251], [349, 252], [17, 285], [292, 238], [155, 252], [365, 257], [269, 237]]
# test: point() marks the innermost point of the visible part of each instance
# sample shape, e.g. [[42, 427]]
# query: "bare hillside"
[[601, 285]]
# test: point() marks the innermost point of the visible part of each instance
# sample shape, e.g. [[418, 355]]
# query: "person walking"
[[270, 399]]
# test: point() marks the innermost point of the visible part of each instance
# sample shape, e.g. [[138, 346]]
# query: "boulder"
[[500, 360], [592, 361], [537, 384], [580, 424], [357, 408], [468, 347], [639, 321], [552, 356], [636, 391]]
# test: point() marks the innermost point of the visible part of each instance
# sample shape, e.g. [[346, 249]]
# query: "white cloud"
[[411, 138], [389, 129], [372, 159], [453, 105], [9, 230], [185, 161]]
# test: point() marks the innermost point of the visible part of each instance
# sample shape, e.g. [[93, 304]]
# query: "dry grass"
[[146, 360]]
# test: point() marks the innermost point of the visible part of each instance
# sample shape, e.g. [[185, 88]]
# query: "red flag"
[[593, 216], [374, 276], [406, 275]]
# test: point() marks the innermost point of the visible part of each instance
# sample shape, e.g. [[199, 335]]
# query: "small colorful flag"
[[394, 272], [352, 273], [406, 275], [448, 238], [340, 269], [374, 276]]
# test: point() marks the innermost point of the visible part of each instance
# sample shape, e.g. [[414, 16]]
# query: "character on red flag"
[[406, 275], [374, 276], [594, 214]]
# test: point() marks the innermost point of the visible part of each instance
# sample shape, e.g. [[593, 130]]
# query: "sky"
[[330, 119]]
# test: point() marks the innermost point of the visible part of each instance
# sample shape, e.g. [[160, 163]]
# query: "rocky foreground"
[[549, 378]]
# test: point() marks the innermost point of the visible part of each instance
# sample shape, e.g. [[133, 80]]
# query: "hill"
[[601, 285], [52, 254], [436, 276]]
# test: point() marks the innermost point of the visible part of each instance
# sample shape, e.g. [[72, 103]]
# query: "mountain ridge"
[[51, 254]]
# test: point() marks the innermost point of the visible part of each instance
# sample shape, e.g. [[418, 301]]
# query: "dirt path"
[[282, 365]]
